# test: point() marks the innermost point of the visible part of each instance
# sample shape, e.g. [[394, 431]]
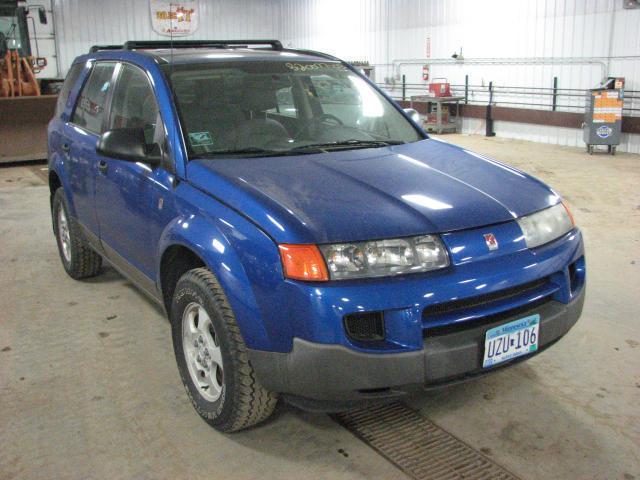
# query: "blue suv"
[[306, 238]]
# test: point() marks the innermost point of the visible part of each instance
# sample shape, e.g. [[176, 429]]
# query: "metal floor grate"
[[416, 446]]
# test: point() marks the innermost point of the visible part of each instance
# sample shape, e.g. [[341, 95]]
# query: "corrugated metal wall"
[[83, 23], [382, 31], [398, 29]]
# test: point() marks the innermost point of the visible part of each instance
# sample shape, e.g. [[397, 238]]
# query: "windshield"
[[268, 108]]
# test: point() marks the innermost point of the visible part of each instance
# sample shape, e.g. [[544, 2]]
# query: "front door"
[[133, 200]]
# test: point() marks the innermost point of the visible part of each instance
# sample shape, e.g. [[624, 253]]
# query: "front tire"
[[78, 258], [212, 356]]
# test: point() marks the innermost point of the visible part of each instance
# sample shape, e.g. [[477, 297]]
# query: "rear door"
[[133, 200], [81, 134], [57, 139]]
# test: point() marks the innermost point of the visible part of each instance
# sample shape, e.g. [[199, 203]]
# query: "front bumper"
[[333, 377]]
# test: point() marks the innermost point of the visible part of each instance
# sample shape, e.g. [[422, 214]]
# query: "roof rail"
[[97, 48], [151, 44]]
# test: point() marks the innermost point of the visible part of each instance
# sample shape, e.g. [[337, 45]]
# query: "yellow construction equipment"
[[24, 111], [18, 75]]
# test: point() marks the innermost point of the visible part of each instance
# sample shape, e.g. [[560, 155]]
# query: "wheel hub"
[[64, 235], [204, 357], [202, 352]]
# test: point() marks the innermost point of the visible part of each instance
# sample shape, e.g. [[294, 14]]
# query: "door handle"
[[102, 166], [66, 147]]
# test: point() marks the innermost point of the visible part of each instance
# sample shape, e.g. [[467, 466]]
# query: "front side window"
[[134, 104], [267, 108], [90, 109]]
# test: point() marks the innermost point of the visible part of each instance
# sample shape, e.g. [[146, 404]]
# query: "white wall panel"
[[382, 31], [386, 30], [83, 23], [487, 28]]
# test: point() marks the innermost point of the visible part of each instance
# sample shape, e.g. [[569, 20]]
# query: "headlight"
[[546, 225], [385, 257]]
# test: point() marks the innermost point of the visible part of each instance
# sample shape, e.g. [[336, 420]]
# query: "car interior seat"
[[258, 130], [212, 111]]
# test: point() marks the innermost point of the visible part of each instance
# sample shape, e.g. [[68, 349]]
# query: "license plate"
[[511, 340]]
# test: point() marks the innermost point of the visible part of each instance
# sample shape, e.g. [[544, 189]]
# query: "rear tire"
[[215, 370], [78, 258]]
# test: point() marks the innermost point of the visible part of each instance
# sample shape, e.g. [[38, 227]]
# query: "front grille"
[[365, 326], [460, 326], [458, 315], [465, 303]]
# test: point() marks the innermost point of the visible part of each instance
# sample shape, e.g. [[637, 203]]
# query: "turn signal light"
[[566, 207], [303, 262]]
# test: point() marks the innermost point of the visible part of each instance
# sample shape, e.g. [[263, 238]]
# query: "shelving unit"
[[439, 126]]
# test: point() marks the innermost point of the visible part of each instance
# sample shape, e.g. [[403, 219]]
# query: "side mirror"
[[126, 144], [413, 113]]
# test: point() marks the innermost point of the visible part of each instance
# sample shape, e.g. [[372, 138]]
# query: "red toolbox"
[[440, 89]]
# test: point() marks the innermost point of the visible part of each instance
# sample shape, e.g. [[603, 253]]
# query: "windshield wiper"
[[347, 144], [254, 151], [308, 149]]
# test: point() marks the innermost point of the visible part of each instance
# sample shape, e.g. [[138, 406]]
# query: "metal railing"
[[538, 98]]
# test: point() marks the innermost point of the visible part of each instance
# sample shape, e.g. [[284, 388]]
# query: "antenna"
[[174, 140], [171, 35]]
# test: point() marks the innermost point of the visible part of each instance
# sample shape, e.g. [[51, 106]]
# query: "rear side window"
[[91, 106], [69, 82]]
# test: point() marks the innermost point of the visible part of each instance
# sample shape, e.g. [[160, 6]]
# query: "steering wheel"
[[326, 119]]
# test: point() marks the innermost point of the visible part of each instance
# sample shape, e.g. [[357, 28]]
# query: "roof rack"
[[151, 44], [97, 48]]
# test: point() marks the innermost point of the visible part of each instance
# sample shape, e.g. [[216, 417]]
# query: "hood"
[[412, 189]]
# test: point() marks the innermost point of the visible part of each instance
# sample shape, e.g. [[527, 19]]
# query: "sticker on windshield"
[[201, 139], [310, 67]]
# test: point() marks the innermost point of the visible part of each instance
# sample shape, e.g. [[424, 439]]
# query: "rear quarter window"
[[69, 82], [91, 106]]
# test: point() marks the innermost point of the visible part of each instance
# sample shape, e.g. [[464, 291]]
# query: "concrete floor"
[[89, 387]]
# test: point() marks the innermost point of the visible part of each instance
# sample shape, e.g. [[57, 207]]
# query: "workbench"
[[439, 126]]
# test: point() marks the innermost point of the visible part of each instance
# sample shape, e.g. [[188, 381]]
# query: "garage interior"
[[88, 382]]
